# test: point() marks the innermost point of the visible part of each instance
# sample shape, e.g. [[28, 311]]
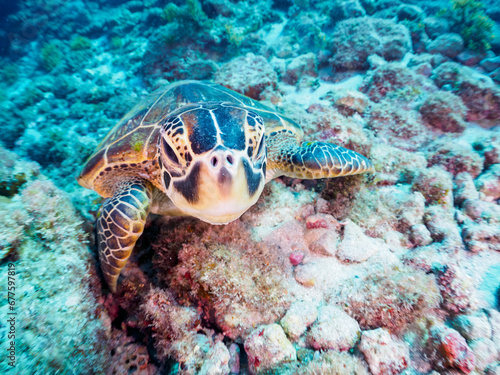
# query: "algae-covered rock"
[[391, 297], [444, 111], [248, 75], [357, 38], [268, 346], [237, 283], [384, 354], [55, 284], [333, 329], [478, 92]]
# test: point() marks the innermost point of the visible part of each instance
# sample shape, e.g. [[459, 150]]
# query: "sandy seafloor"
[[392, 272]]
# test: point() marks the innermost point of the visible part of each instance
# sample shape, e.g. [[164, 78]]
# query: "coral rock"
[[490, 64], [420, 235], [453, 349], [356, 246], [493, 369], [485, 352], [384, 354], [435, 26], [489, 182], [343, 9], [457, 289], [389, 297], [448, 44], [494, 319], [436, 185], [357, 38], [217, 362], [443, 228], [300, 66], [478, 92], [322, 234], [473, 327], [298, 318], [482, 211], [398, 126], [248, 75], [455, 157], [334, 329], [480, 237], [268, 346], [464, 188], [306, 274], [492, 152], [397, 81], [409, 12], [349, 102], [470, 58], [444, 111]]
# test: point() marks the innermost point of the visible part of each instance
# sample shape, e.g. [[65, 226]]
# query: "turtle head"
[[213, 160]]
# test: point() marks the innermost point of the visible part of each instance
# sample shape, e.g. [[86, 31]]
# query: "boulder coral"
[[391, 298], [357, 38], [56, 298], [238, 285]]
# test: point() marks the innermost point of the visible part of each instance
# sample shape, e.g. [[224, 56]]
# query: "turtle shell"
[[130, 148]]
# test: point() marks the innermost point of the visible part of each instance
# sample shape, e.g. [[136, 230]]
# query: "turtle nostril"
[[214, 161], [229, 159]]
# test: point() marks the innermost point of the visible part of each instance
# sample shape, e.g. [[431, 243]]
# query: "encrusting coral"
[[392, 298], [238, 284], [55, 281]]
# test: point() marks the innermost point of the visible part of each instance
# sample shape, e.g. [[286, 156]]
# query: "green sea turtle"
[[197, 149]]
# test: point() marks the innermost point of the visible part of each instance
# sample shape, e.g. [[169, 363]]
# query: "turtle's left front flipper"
[[120, 223], [315, 160]]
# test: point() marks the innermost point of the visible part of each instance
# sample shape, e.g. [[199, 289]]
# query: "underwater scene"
[[250, 187]]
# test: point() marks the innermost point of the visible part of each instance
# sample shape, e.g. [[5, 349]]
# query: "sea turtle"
[[197, 149]]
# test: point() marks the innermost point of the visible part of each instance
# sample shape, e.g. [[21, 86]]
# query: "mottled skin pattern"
[[197, 149]]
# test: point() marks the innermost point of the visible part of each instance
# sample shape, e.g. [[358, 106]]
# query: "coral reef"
[[260, 75], [390, 298], [268, 346], [333, 329], [55, 281], [358, 38], [468, 18], [391, 272], [237, 284], [383, 354]]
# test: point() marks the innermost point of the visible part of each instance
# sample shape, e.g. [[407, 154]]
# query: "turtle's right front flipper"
[[120, 223], [314, 160]]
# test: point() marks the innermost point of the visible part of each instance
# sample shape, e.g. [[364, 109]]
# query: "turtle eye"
[[261, 148], [173, 157], [168, 151]]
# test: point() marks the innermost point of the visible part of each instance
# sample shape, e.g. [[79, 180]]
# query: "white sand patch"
[[271, 35], [305, 97]]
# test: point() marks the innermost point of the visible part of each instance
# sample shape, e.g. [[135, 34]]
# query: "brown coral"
[[445, 111], [237, 283]]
